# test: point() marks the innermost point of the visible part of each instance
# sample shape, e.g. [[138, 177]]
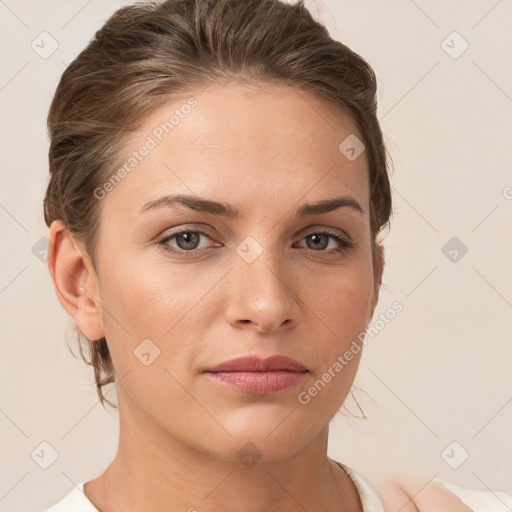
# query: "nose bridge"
[[262, 292]]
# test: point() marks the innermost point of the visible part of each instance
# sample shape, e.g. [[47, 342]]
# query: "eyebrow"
[[226, 210]]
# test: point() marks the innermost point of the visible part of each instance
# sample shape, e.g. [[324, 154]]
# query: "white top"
[[478, 501]]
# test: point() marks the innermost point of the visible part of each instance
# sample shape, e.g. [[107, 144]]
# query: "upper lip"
[[258, 364]]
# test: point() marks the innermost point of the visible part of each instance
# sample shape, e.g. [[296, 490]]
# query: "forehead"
[[261, 140]]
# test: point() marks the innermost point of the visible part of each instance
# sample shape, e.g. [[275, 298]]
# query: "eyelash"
[[345, 245]]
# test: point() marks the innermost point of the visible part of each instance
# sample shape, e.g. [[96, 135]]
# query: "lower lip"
[[260, 383]]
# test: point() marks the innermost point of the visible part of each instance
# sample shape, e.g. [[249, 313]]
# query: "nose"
[[261, 295]]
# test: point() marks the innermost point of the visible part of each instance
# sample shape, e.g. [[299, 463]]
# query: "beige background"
[[439, 372]]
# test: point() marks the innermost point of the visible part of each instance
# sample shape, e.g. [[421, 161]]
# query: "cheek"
[[343, 308], [343, 300], [155, 301], [144, 299], [148, 296]]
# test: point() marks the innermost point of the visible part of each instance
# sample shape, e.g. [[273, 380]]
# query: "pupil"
[[190, 240], [317, 237]]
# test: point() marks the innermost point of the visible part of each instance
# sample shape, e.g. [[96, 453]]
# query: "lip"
[[255, 375], [258, 364]]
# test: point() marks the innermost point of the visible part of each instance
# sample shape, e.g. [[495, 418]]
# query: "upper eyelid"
[[313, 230]]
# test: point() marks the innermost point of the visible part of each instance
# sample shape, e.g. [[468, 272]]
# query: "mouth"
[[252, 374]]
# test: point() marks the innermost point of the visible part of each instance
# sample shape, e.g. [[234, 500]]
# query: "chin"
[[249, 451], [256, 444]]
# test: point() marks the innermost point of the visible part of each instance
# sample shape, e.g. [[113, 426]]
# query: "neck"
[[155, 471]]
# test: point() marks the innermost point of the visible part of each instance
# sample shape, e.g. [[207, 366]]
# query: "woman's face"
[[262, 282]]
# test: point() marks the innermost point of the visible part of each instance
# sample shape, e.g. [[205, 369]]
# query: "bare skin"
[[412, 495], [266, 150]]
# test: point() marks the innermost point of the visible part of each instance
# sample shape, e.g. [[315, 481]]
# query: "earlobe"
[[75, 281], [377, 279], [376, 291]]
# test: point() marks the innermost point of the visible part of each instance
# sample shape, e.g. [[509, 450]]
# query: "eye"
[[318, 241], [189, 241], [185, 240]]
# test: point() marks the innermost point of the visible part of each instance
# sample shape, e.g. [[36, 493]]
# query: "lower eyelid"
[[344, 244]]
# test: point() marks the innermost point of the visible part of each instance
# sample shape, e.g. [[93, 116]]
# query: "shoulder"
[[412, 495], [74, 501], [408, 496]]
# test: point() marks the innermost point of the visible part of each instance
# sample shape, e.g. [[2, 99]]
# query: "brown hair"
[[146, 53]]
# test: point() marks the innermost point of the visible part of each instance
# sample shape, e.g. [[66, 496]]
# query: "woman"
[[200, 152]]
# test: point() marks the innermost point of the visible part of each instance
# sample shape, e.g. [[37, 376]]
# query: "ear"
[[75, 281], [378, 268]]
